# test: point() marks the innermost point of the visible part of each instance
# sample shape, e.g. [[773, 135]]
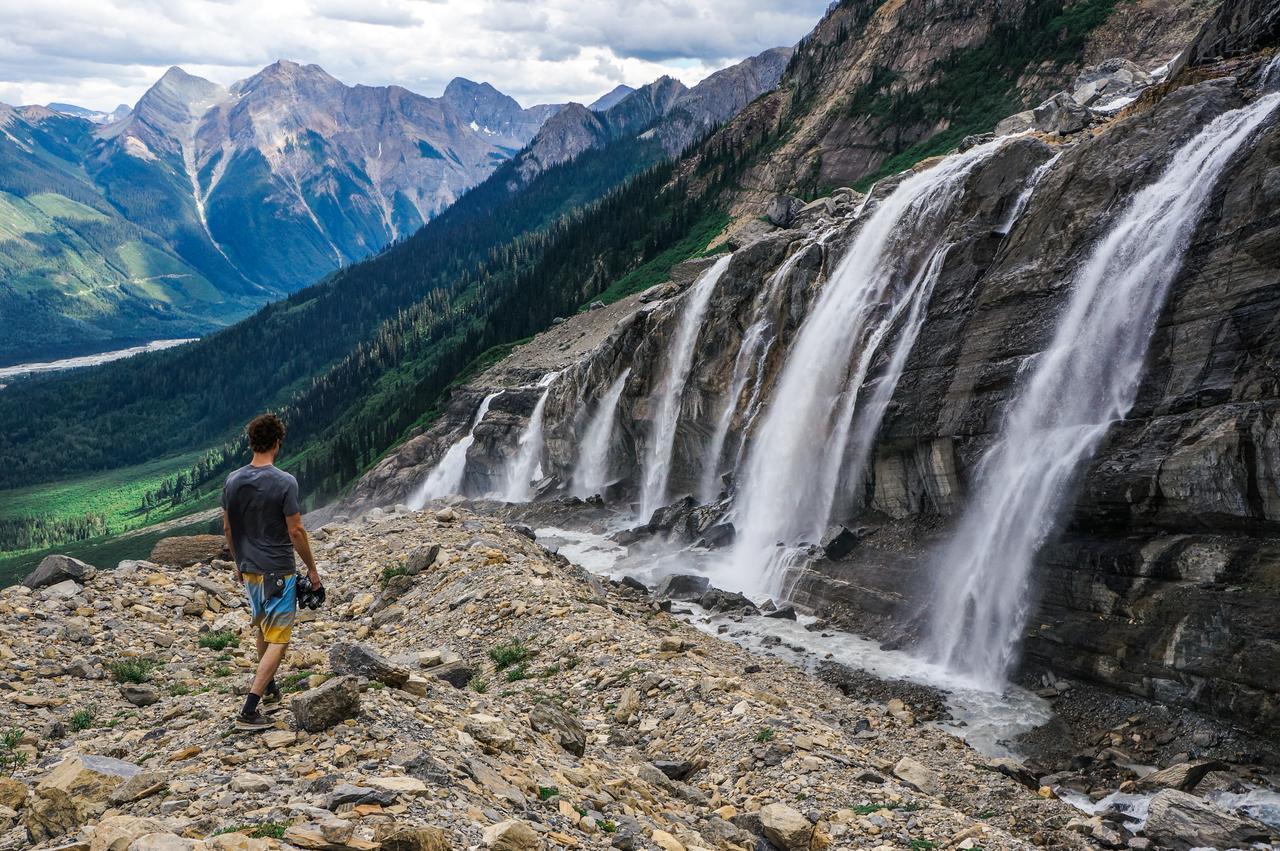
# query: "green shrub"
[[137, 670], [516, 673], [479, 685], [82, 719], [765, 735], [392, 571], [11, 759], [508, 654], [546, 793], [264, 830], [219, 640]]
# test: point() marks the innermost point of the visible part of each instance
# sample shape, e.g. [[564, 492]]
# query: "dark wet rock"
[[682, 586], [782, 612], [716, 600], [782, 210], [1183, 776], [841, 544], [1180, 822], [927, 703], [457, 674]]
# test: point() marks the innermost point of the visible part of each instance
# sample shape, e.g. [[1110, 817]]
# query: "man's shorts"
[[274, 616]]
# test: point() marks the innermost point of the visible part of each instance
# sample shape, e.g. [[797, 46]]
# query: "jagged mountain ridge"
[[237, 194]]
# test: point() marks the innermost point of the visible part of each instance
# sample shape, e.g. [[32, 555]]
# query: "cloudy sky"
[[98, 53]]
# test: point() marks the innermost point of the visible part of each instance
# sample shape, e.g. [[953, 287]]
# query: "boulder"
[[510, 835], [841, 544], [333, 702], [489, 731], [422, 558], [88, 777], [1183, 776], [144, 784], [716, 600], [567, 731], [1019, 122], [787, 612], [917, 776], [52, 813], [58, 568], [682, 586], [1061, 114], [249, 783], [348, 793], [139, 694], [786, 827], [1180, 822], [64, 590], [402, 837], [782, 210], [186, 550], [117, 833], [362, 661], [457, 674], [1014, 770], [13, 793]]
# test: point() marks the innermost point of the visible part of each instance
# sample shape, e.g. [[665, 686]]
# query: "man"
[[263, 524]]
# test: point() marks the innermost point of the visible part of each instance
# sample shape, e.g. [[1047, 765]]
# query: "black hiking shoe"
[[253, 722]]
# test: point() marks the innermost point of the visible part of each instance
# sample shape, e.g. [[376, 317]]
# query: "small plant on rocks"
[[11, 759], [516, 673], [392, 571], [509, 653], [546, 793], [479, 685], [219, 640], [137, 670], [295, 681], [82, 719], [265, 830], [765, 735]]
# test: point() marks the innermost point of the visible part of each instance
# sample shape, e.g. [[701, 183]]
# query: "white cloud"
[[99, 53]]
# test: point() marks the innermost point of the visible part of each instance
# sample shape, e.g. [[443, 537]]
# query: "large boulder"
[[782, 210], [1180, 822], [786, 827], [58, 568], [510, 835], [1183, 776], [567, 730], [186, 550], [332, 703], [917, 776], [682, 586], [1061, 114], [361, 661], [88, 777], [117, 833]]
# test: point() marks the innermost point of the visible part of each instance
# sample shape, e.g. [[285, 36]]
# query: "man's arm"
[[231, 546], [298, 535]]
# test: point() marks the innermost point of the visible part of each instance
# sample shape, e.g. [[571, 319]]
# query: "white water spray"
[[1084, 382], [525, 466], [591, 473], [445, 479], [1020, 206], [796, 458], [662, 436]]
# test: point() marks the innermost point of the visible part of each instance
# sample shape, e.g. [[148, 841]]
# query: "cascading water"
[[662, 436], [748, 366], [445, 479], [796, 459], [1084, 382], [591, 473], [523, 467], [1024, 198]]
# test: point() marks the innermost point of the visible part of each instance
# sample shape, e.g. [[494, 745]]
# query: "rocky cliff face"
[[1165, 569]]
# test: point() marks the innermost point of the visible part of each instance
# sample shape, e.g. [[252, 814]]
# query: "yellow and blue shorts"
[[272, 615]]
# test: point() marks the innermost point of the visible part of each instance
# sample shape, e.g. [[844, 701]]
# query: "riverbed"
[[11, 372]]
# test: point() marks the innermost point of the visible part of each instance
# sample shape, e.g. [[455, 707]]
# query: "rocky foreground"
[[466, 688]]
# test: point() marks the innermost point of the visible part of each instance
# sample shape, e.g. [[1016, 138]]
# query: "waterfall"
[[797, 455], [1270, 76], [445, 479], [662, 436], [1085, 381], [709, 485], [591, 473], [525, 466], [1024, 198]]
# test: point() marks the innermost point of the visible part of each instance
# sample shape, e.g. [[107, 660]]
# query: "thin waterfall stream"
[[446, 478], [1083, 383], [591, 473], [522, 469]]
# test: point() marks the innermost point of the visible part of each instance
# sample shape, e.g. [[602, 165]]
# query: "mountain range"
[[202, 201]]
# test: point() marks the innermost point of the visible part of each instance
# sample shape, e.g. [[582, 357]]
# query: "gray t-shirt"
[[257, 500]]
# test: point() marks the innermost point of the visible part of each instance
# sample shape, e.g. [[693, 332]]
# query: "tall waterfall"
[[1084, 382], [591, 473], [662, 437], [445, 479], [1024, 198], [797, 457], [523, 467]]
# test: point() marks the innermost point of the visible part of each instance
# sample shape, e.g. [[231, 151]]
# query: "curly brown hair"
[[264, 432]]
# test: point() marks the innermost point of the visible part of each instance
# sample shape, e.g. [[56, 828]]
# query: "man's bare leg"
[[270, 657]]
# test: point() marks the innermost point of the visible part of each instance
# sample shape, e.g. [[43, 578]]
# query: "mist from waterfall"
[[656, 470], [796, 462], [1083, 383], [525, 466], [446, 478], [591, 473]]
